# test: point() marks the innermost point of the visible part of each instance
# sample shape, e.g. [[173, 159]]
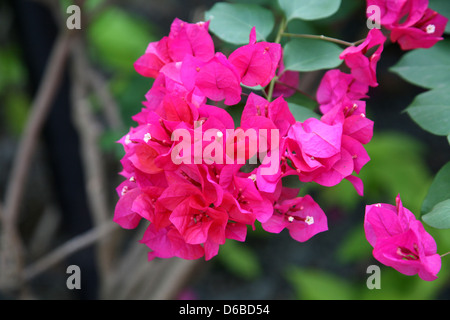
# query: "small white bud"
[[127, 139], [147, 137], [431, 28]]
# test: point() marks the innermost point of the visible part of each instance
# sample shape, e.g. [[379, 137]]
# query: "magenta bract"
[[400, 240]]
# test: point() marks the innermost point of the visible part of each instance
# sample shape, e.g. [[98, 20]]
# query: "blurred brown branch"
[[90, 131], [73, 245], [123, 274], [11, 247]]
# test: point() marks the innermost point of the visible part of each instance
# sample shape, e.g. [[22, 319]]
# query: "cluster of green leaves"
[[430, 70]]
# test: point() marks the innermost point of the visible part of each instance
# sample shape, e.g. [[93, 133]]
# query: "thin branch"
[[322, 37], [38, 113], [89, 130], [109, 104], [70, 247], [174, 277], [11, 249], [277, 40]]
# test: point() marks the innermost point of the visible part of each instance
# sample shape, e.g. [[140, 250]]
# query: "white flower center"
[[431, 28], [147, 137], [309, 220], [127, 139]]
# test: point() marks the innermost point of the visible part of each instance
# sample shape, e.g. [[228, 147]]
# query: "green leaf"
[[309, 9], [311, 54], [239, 260], [439, 217], [431, 111], [439, 189], [312, 284], [301, 113], [427, 68], [232, 22], [258, 2]]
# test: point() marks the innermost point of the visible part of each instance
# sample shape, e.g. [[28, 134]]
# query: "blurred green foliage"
[[13, 89], [240, 260], [117, 38]]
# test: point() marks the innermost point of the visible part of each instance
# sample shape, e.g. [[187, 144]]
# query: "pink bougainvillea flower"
[[155, 57], [314, 149], [277, 110], [198, 223], [250, 199], [271, 183], [256, 62], [302, 216], [169, 84], [400, 240], [168, 242], [123, 214], [317, 139], [216, 78], [395, 13], [363, 68], [190, 39], [412, 23], [357, 130], [184, 39], [337, 88], [423, 34]]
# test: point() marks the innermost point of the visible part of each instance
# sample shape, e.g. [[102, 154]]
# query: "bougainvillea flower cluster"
[[412, 24], [185, 185], [400, 240], [198, 179]]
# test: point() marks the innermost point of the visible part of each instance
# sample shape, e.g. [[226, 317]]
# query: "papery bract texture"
[[363, 68], [400, 240], [256, 62]]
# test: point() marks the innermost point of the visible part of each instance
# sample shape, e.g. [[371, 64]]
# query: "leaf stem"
[[277, 40], [443, 255], [322, 37]]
